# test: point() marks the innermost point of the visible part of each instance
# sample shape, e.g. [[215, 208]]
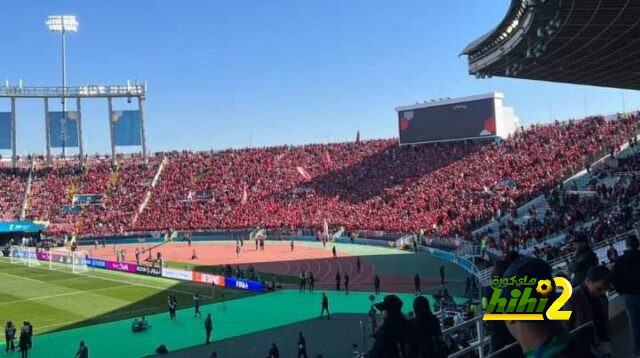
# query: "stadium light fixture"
[[63, 24]]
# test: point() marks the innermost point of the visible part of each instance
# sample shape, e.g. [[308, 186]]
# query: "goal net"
[[23, 255], [68, 261]]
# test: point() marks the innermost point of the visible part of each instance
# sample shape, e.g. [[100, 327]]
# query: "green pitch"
[[53, 300]]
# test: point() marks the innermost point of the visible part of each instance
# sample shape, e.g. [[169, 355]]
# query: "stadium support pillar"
[[14, 145], [79, 127], [143, 135], [112, 130], [47, 137]]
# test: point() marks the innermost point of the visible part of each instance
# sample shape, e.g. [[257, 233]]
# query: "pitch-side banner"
[[209, 279], [177, 274]]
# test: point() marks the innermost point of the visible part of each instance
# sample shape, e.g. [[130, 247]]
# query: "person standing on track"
[[303, 281], [442, 275], [137, 256], [172, 307], [416, 284], [302, 346], [346, 283], [335, 254], [338, 279], [325, 306], [312, 282], [83, 351], [358, 264], [257, 243], [208, 328], [9, 336], [238, 251], [291, 245], [376, 284], [196, 305]]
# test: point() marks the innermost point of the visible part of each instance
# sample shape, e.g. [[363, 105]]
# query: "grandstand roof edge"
[[498, 95]]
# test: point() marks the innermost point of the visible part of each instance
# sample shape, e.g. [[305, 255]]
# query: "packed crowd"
[[122, 192], [445, 189], [13, 183]]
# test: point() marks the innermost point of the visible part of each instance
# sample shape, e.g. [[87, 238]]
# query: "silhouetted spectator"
[[627, 282]]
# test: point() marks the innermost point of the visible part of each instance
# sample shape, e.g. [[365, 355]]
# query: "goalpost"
[[61, 259], [23, 255]]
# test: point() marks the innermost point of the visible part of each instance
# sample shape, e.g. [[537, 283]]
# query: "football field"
[[53, 300]]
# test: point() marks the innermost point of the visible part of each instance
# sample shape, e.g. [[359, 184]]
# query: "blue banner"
[[5, 130], [71, 129], [247, 285], [20, 226], [127, 127]]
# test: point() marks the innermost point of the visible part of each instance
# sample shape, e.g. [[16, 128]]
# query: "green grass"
[[53, 300], [264, 276]]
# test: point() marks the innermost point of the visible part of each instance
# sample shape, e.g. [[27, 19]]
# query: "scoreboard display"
[[447, 120]]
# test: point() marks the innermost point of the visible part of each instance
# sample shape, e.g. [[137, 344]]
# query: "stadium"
[[398, 246]]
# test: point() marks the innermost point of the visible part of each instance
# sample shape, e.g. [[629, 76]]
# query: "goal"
[[68, 261], [23, 255]]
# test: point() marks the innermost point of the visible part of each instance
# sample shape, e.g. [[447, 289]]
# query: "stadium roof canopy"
[[590, 42]]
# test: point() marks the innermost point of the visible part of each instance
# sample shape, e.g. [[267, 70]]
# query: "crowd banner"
[[177, 274], [209, 279], [242, 284], [148, 270]]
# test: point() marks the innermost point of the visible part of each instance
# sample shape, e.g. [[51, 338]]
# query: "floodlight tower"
[[63, 24]]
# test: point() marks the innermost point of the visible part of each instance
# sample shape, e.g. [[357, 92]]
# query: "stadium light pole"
[[63, 24]]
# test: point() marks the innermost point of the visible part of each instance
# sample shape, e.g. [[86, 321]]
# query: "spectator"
[[588, 303], [612, 253], [627, 283], [541, 338], [426, 336], [584, 259], [391, 338]]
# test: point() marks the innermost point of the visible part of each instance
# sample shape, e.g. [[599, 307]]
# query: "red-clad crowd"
[[121, 191], [13, 183], [377, 185], [606, 206], [445, 188]]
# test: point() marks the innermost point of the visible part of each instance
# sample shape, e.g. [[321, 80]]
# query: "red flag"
[[358, 137], [305, 174], [325, 228], [245, 195], [327, 157]]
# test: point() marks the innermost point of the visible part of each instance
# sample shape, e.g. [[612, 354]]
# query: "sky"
[[249, 73]]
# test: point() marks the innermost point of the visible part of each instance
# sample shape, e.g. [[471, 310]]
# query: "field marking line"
[[60, 295], [159, 288], [20, 277]]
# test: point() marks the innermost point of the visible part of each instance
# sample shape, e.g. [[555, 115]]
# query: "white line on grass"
[[60, 295], [113, 280]]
